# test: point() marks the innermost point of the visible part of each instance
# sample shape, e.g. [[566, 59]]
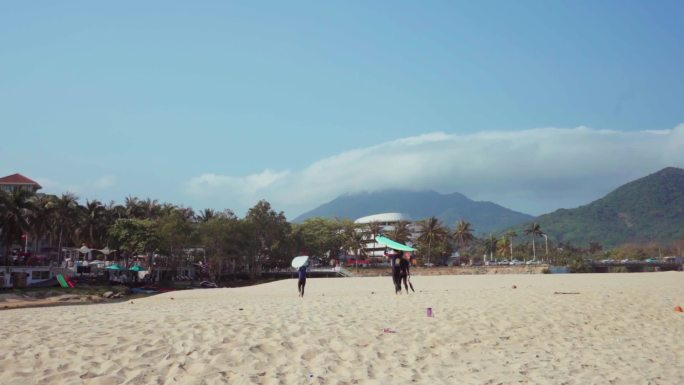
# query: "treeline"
[[263, 238]]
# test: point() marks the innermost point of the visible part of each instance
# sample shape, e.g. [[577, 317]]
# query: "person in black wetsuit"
[[404, 271], [395, 261], [302, 280]]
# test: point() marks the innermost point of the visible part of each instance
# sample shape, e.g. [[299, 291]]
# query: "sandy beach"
[[618, 329]]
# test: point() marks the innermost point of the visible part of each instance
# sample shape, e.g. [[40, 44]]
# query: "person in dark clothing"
[[404, 272], [395, 261], [302, 280]]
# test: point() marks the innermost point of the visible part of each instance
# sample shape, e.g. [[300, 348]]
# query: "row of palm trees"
[[62, 221], [432, 231]]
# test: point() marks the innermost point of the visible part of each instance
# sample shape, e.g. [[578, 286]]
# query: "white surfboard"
[[300, 261]]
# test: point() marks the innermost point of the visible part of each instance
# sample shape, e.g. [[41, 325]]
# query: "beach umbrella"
[[106, 251], [137, 268]]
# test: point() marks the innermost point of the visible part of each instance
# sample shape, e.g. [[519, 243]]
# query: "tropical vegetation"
[[171, 236]]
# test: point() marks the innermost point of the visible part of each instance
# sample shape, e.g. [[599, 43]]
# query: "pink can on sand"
[[429, 312]]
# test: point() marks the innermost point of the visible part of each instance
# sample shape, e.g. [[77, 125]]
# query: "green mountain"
[[485, 217], [645, 210]]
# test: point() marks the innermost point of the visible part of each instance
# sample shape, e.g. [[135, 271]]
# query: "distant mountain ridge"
[[485, 217], [649, 209]]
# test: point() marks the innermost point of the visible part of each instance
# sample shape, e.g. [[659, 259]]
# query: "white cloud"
[[224, 189], [534, 171], [104, 182]]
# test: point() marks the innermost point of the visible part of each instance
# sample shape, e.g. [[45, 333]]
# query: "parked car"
[[516, 262]]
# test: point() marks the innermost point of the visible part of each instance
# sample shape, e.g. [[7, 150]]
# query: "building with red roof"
[[15, 182]]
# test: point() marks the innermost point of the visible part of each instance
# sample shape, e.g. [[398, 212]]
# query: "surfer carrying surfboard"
[[302, 280], [395, 264], [301, 263]]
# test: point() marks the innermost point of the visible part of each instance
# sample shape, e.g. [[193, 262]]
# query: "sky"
[[534, 105]]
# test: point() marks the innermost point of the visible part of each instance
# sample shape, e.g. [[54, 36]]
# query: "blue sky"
[[220, 104]]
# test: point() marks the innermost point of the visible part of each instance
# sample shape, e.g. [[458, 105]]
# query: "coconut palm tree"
[[205, 215], [502, 247], [41, 218], [66, 216], [534, 230], [432, 231], [510, 234], [401, 232], [114, 211], [93, 223], [354, 240], [490, 245], [150, 208], [16, 208], [133, 208], [463, 234], [373, 229]]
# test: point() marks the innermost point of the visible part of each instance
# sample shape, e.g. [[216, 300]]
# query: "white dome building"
[[387, 221]]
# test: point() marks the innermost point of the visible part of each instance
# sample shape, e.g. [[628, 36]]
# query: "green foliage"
[[433, 236], [134, 235], [322, 237], [174, 232], [269, 229], [650, 209]]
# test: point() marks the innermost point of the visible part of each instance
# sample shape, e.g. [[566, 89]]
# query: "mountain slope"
[[645, 210], [485, 217]]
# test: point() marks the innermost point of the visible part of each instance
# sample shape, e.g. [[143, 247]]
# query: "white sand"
[[620, 329]]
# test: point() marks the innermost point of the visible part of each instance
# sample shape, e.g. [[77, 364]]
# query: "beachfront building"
[[385, 222], [14, 182]]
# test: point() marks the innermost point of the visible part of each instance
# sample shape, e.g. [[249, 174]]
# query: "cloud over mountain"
[[533, 171]]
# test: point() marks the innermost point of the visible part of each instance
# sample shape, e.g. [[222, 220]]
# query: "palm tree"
[[205, 215], [401, 232], [432, 230], [502, 247], [510, 234], [463, 234], [114, 211], [353, 240], [490, 245], [150, 208], [534, 230], [40, 219], [133, 208], [66, 213], [93, 224], [373, 229], [16, 208]]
